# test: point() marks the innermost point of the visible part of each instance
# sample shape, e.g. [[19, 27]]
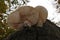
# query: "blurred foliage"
[[3, 6], [58, 1], [57, 5], [5, 30]]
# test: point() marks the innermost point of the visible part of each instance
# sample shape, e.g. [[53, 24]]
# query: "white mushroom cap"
[[43, 14]]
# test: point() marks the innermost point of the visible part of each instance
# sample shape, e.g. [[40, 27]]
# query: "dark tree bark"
[[49, 31]]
